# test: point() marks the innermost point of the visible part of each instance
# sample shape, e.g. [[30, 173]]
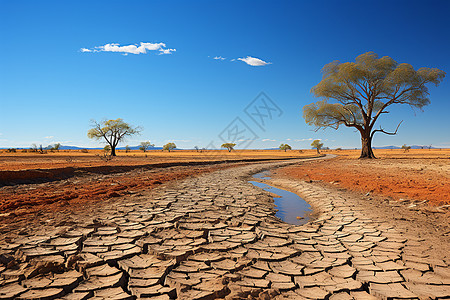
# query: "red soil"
[[414, 179], [78, 191]]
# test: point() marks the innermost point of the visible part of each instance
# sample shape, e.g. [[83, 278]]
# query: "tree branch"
[[385, 132]]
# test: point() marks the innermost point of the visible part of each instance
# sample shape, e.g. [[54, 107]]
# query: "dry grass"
[[76, 158], [396, 153]]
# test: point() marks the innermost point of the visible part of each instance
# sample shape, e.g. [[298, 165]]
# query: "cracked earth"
[[216, 237]]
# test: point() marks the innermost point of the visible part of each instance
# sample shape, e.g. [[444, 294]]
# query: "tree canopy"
[[285, 147], [145, 145], [169, 146], [113, 132], [363, 90], [316, 144], [229, 146]]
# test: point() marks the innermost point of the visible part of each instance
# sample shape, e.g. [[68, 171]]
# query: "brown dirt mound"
[[414, 179]]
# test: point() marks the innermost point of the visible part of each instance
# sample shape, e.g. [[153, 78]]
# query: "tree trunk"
[[113, 151], [318, 152], [366, 146]]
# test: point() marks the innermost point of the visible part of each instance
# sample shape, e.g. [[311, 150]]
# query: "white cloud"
[[49, 137], [219, 58], [288, 139], [142, 48], [304, 140], [268, 140], [166, 51], [253, 61], [181, 141]]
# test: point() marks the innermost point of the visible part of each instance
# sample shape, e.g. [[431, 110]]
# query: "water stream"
[[291, 208]]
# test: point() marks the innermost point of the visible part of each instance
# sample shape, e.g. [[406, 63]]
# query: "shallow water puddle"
[[291, 208]]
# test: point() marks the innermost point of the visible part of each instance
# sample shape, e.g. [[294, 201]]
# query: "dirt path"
[[213, 237]]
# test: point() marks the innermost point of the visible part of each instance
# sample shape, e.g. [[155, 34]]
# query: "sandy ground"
[[419, 179], [95, 158]]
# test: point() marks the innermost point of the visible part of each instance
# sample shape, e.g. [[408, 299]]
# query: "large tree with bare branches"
[[363, 90], [113, 132]]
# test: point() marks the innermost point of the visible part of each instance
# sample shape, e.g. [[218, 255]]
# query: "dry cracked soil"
[[216, 236]]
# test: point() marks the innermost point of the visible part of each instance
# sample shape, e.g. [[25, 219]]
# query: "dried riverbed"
[[216, 237]]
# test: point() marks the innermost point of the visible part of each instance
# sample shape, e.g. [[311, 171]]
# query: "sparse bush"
[[42, 150], [105, 156], [54, 147], [406, 148], [127, 149], [339, 149], [11, 150], [84, 150]]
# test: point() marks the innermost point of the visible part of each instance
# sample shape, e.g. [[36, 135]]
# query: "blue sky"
[[50, 88]]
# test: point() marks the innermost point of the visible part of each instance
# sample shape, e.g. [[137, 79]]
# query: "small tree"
[[285, 147], [113, 132], [145, 145], [127, 148], [196, 148], [406, 148], [169, 146], [363, 90], [54, 147], [316, 144], [229, 146], [107, 149]]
